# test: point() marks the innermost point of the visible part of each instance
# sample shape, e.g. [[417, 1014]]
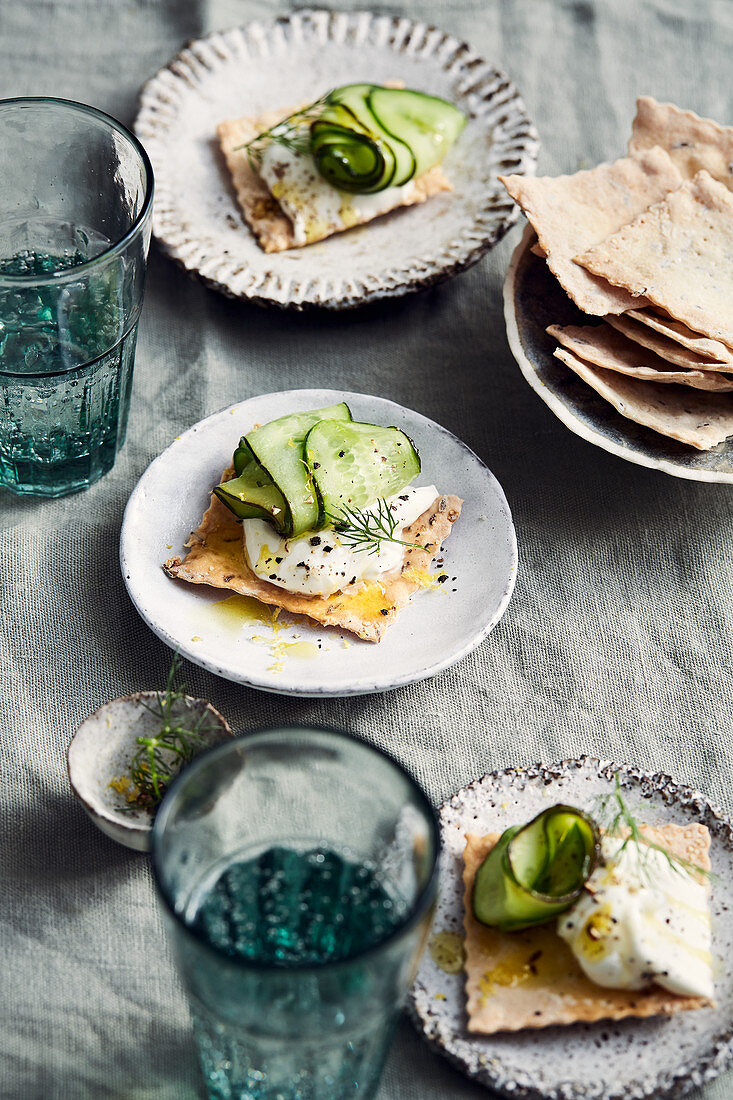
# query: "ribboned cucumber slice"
[[350, 148], [353, 464], [252, 494], [536, 871], [349, 159], [278, 448], [427, 124]]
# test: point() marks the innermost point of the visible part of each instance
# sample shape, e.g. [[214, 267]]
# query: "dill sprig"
[[616, 819], [292, 133], [366, 530], [161, 756]]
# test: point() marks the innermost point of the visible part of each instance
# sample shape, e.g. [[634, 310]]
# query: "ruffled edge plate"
[[634, 1059], [533, 299], [433, 632], [293, 59]]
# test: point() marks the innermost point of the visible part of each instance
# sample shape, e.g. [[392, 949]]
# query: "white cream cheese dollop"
[[313, 205], [640, 920], [318, 563]]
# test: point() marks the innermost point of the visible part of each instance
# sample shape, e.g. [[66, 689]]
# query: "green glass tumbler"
[[76, 191], [298, 871]]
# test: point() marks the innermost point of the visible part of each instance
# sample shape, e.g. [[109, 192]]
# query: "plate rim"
[[564, 412], [717, 1059], [526, 155], [283, 688]]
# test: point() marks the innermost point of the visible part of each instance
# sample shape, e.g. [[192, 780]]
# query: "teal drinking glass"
[[298, 871], [76, 192]]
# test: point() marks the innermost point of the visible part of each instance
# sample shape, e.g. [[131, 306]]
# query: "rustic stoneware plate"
[[294, 59], [533, 299], [630, 1059], [296, 657]]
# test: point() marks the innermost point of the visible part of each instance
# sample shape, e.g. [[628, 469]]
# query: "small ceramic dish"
[[294, 656], [101, 751], [533, 299], [631, 1059], [295, 59]]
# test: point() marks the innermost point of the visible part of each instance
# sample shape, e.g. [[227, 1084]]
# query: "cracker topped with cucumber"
[[302, 174], [318, 515]]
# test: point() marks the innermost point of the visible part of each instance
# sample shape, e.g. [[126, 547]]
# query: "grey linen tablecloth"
[[618, 638]]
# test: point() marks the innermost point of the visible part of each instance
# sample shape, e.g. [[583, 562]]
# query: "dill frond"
[[367, 529]]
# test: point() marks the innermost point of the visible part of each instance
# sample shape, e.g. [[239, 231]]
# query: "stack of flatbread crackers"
[[644, 246]]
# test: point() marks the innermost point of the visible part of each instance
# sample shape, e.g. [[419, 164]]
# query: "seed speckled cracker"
[[692, 142], [531, 979], [262, 212], [216, 557], [681, 334], [671, 351], [698, 419], [605, 346], [571, 213], [679, 255]]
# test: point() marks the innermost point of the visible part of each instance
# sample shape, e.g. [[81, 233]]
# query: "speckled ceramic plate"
[[623, 1060], [534, 299], [294, 59], [434, 631]]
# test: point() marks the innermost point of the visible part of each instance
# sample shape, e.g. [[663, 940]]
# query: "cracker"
[[216, 558], [531, 979], [692, 142], [262, 212], [681, 334], [698, 419], [571, 213], [679, 254], [606, 347], [670, 350]]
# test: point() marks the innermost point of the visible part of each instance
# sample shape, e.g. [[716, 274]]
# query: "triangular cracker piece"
[[674, 411], [216, 557], [692, 142], [683, 335], [262, 212], [531, 979], [606, 347], [679, 254], [571, 213]]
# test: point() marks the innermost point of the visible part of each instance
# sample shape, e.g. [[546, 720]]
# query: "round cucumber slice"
[[353, 464]]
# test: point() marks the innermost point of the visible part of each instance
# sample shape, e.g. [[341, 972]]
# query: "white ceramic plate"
[[609, 1060], [295, 59], [433, 632], [533, 299]]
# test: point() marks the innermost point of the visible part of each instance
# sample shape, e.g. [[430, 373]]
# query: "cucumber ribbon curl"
[[366, 138], [536, 871]]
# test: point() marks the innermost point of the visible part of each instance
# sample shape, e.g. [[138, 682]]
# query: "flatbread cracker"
[[681, 334], [698, 419], [671, 351], [216, 557], [607, 347], [262, 212], [531, 979], [692, 142], [679, 254], [571, 213]]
